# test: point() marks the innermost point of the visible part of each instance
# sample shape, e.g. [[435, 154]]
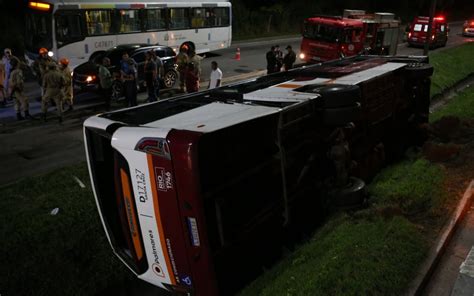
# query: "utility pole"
[[430, 28]]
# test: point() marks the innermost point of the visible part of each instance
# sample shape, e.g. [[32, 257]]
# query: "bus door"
[[69, 30]]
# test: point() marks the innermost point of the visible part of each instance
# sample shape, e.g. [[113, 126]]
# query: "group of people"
[[54, 78], [276, 61], [189, 68]]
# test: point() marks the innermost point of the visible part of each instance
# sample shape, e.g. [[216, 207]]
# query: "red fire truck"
[[419, 31], [332, 37]]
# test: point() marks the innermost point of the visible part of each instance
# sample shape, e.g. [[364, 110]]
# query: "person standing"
[[105, 82], [289, 59], [150, 76], [6, 60], [279, 58], [216, 76], [271, 61], [182, 60], [3, 90], [128, 71], [53, 83], [192, 79], [160, 72], [40, 66], [16, 84], [67, 90]]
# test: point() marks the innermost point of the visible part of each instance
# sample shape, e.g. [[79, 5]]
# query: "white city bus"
[[77, 29]]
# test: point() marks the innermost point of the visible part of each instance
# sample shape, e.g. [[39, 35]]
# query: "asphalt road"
[[34, 147]]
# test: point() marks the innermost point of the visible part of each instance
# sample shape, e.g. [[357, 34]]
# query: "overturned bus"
[[197, 193]]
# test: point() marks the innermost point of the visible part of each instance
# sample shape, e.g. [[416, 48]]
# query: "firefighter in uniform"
[[67, 90], [182, 60], [40, 66], [53, 84], [16, 85]]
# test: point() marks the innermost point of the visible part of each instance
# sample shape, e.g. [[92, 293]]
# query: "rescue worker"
[[129, 78], [6, 59], [289, 59], [53, 83], [16, 84], [67, 90], [40, 66], [106, 81], [196, 61], [151, 73], [160, 70], [182, 60], [271, 60], [279, 58], [192, 78]]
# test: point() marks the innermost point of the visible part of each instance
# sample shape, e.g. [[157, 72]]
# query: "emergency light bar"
[[39, 6]]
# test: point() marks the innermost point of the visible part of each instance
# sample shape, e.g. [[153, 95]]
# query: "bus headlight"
[[302, 56]]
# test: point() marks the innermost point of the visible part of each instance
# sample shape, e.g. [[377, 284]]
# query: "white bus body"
[[77, 29]]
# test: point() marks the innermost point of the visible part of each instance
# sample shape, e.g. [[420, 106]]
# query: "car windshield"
[[322, 32]]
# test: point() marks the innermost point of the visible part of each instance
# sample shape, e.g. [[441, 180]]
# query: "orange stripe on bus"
[[131, 215], [289, 85], [158, 219]]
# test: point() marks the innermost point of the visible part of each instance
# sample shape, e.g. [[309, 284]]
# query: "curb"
[[435, 254]]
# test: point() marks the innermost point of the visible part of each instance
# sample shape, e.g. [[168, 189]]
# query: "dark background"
[[256, 18]]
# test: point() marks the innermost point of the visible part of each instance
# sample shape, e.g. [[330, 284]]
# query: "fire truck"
[[332, 37], [419, 31], [196, 193]]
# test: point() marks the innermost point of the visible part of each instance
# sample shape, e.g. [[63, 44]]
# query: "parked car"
[[85, 76], [419, 32], [468, 28]]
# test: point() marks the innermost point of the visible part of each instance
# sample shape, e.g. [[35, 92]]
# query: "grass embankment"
[[451, 66], [62, 254], [462, 106]]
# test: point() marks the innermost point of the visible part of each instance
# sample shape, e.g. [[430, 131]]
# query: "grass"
[[462, 106], [64, 254], [451, 65], [374, 252]]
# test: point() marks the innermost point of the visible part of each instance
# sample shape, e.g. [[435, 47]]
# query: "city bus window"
[[155, 19], [179, 18], [39, 28], [219, 17], [129, 21], [198, 19], [98, 22], [68, 28]]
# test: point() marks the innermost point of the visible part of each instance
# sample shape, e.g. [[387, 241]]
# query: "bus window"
[[198, 19], [98, 22], [68, 28], [179, 18], [38, 26], [155, 19], [129, 21], [219, 17]]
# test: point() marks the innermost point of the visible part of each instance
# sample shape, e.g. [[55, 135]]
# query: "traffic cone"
[[237, 54]]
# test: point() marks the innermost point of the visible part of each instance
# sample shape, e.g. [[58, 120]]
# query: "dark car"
[[85, 76]]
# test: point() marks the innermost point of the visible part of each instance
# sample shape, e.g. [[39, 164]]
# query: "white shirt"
[[215, 75]]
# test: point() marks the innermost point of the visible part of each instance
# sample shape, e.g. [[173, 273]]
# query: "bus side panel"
[[184, 148]]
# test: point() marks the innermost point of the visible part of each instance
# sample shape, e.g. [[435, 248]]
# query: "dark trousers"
[[151, 88], [130, 88], [106, 94]]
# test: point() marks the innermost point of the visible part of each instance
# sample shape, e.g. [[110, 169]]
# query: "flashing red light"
[[472, 23], [439, 18]]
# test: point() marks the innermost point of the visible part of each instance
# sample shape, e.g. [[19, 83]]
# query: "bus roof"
[[335, 21]]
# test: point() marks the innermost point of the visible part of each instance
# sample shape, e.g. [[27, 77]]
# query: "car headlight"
[[89, 79], [302, 56]]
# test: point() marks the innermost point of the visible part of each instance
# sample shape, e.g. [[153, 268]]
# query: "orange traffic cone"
[[237, 54]]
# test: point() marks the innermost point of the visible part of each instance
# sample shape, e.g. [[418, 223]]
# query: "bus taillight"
[[39, 6]]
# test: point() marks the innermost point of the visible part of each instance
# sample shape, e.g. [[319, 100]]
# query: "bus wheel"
[[336, 95], [341, 116], [418, 70], [352, 195], [170, 79]]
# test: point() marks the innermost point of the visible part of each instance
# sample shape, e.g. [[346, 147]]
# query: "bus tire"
[[170, 79], [418, 70], [338, 95], [352, 195], [341, 116]]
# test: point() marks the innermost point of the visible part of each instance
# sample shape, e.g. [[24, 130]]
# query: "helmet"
[[64, 61], [43, 50], [184, 47]]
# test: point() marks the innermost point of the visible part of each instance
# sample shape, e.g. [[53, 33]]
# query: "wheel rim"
[[170, 79]]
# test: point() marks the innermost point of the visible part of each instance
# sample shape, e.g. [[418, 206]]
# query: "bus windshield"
[[322, 32], [39, 31]]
